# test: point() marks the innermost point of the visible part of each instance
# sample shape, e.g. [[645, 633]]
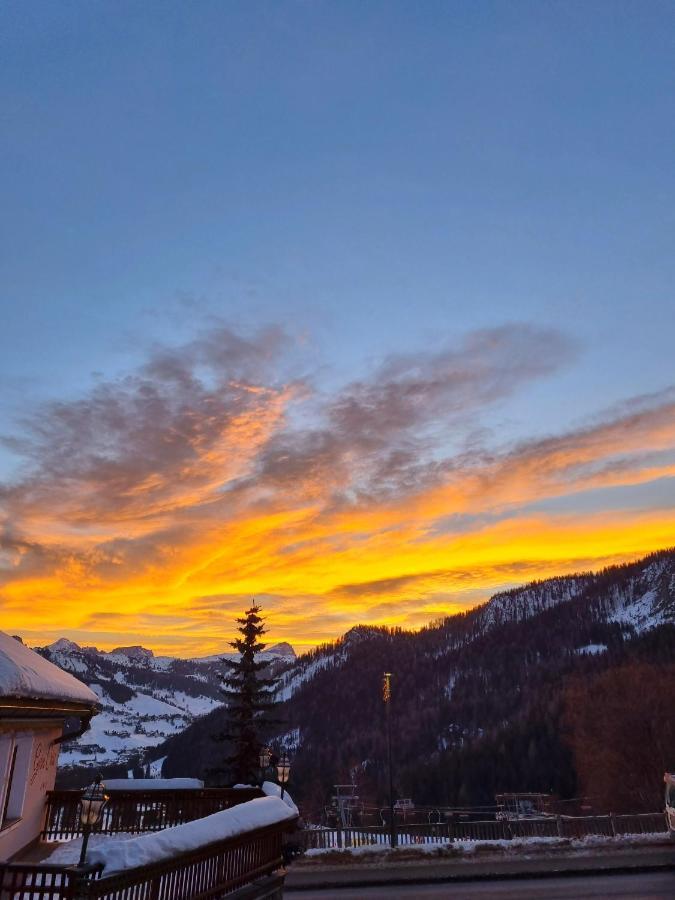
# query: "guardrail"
[[247, 861], [488, 830], [135, 812]]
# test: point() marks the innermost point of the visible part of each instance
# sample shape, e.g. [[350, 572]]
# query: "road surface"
[[648, 885]]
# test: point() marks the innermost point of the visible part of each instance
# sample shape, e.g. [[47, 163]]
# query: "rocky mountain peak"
[[135, 652], [283, 649], [63, 645]]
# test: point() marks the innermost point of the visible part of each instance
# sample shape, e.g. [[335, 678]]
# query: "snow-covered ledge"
[[270, 789], [123, 854], [153, 784]]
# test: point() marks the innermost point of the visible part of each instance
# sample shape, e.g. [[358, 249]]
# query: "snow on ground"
[[194, 706], [638, 612], [123, 851], [517, 846], [145, 705], [24, 673], [299, 674], [591, 649], [155, 767], [290, 741], [122, 729]]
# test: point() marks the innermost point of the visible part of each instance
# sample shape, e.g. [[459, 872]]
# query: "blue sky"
[[374, 178], [377, 174]]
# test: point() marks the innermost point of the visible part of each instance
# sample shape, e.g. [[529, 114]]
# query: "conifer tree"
[[250, 698]]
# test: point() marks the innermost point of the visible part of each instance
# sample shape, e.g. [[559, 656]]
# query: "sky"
[[361, 309]]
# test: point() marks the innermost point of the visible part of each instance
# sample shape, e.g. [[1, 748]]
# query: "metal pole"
[[85, 840], [387, 703]]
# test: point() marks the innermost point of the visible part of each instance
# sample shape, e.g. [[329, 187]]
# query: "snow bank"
[[591, 649], [274, 790], [513, 845], [117, 855], [26, 674], [153, 784]]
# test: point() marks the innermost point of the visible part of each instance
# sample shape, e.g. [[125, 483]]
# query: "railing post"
[[339, 834], [559, 825], [613, 824], [79, 881], [154, 888]]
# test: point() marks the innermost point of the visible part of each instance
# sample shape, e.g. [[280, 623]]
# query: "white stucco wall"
[[34, 775]]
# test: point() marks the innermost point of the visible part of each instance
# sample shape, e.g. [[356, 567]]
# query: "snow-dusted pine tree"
[[250, 698]]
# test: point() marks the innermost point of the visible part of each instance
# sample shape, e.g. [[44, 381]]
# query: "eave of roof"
[[23, 707]]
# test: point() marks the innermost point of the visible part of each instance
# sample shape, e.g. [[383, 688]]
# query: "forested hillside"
[[481, 701]]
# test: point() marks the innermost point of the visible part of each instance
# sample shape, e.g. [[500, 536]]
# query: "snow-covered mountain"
[[144, 698], [543, 626], [637, 597]]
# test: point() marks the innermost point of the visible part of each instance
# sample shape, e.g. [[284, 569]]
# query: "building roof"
[[25, 675]]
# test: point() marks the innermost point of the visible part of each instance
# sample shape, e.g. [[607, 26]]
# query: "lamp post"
[[283, 771], [386, 696], [264, 758], [92, 802]]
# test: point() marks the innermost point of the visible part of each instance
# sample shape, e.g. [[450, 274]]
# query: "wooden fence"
[[488, 830], [135, 812], [214, 870]]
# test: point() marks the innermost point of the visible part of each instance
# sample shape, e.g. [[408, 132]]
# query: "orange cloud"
[[160, 503]]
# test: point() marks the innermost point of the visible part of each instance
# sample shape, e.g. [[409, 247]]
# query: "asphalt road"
[[652, 885]]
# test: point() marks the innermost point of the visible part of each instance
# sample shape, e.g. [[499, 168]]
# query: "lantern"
[[93, 799], [283, 771], [265, 757]]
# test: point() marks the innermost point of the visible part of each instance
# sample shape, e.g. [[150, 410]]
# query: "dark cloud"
[[418, 390], [135, 443], [379, 434]]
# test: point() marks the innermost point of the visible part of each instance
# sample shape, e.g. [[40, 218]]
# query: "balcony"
[[245, 864]]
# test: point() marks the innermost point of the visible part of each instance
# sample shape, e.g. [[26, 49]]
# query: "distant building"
[[36, 699]]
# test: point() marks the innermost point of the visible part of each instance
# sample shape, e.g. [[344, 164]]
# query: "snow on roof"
[[152, 784], [120, 854], [27, 675]]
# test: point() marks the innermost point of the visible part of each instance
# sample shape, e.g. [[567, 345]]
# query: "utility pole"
[[386, 696]]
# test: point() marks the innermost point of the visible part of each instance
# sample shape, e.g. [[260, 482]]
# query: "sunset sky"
[[362, 309]]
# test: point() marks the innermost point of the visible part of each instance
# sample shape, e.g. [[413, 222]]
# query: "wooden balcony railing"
[[217, 869], [135, 812], [39, 881]]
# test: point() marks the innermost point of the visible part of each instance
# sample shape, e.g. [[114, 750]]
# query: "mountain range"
[[144, 698], [477, 698]]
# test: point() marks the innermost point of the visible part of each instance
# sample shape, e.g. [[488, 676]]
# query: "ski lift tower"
[[345, 800]]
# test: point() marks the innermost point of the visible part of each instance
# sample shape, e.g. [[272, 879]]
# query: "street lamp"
[[283, 771], [264, 758], [386, 697], [92, 802]]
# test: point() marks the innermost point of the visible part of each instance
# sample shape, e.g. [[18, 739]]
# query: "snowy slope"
[[143, 699], [638, 596]]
